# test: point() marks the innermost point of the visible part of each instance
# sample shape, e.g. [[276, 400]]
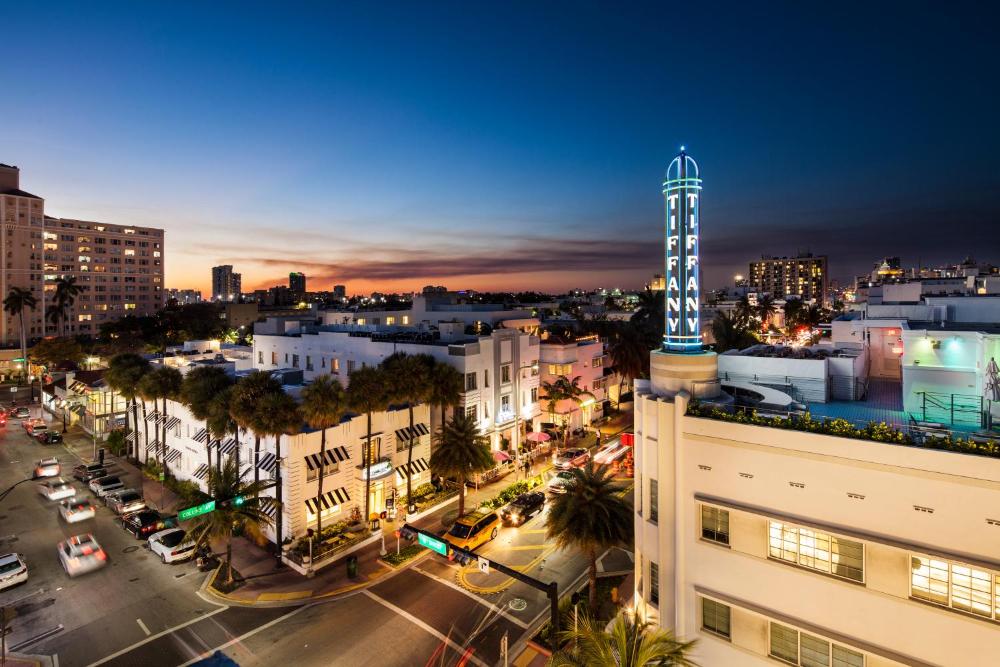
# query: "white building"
[[582, 358]]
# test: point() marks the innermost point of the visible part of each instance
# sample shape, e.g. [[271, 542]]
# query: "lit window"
[[83, 318], [130, 252], [715, 524], [470, 381], [804, 650], [654, 583], [129, 306], [973, 590], [817, 550], [390, 320]]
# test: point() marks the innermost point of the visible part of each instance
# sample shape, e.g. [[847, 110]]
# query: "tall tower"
[[681, 193]]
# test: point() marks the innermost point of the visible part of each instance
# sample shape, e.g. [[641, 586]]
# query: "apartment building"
[[227, 285], [584, 358], [804, 277], [182, 296], [118, 267]]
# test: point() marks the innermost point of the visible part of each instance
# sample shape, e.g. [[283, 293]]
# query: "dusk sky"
[[503, 145]]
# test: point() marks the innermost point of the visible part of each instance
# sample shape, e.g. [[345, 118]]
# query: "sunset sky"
[[473, 146]]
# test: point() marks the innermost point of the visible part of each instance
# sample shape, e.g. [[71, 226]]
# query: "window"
[[471, 412], [654, 511], [597, 362], [486, 378], [309, 363], [956, 585], [335, 365], [654, 583], [560, 369], [295, 361], [817, 551], [715, 524], [470, 381], [534, 394], [715, 617], [350, 366], [784, 643], [374, 449], [260, 357], [505, 374], [328, 469], [804, 650], [274, 358]]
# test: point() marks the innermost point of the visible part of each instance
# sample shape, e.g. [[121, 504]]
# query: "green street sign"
[[197, 510], [433, 544]]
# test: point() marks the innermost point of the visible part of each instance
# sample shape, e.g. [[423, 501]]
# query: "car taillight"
[[101, 555]]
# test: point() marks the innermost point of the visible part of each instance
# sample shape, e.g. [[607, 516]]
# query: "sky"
[[508, 146]]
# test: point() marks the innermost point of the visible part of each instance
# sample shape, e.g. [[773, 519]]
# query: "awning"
[[227, 445], [408, 433], [172, 422], [415, 468], [132, 435], [334, 456], [171, 455], [201, 436], [154, 415], [78, 410], [268, 506], [500, 456], [328, 500], [268, 462], [202, 471], [152, 445]]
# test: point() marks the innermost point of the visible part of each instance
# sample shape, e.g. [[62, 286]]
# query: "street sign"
[[197, 510], [484, 565], [432, 543]]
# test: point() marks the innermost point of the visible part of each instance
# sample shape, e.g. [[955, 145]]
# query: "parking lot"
[[96, 614]]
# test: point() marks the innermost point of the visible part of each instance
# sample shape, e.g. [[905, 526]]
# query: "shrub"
[[405, 554], [116, 442]]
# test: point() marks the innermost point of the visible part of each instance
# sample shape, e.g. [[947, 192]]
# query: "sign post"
[[197, 510], [484, 565]]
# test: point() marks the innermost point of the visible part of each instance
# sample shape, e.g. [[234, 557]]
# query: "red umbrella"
[[538, 436], [500, 457]]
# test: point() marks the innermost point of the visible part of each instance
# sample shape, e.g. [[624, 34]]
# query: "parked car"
[[56, 488], [522, 508], [172, 545], [573, 457], [473, 530], [73, 510], [21, 413], [29, 424], [88, 471], [560, 482], [81, 554], [146, 522], [13, 570], [47, 468], [37, 428], [49, 437], [102, 486], [125, 502]]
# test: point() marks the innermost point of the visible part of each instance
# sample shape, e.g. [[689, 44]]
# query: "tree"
[[248, 515], [591, 516], [447, 387], [629, 354], [730, 333], [765, 308], [649, 316], [792, 309], [63, 299], [164, 383], [367, 392], [200, 386], [560, 389], [744, 311], [278, 416], [19, 298], [247, 395], [629, 643], [409, 381], [219, 423], [461, 451], [323, 406], [54, 351], [125, 372]]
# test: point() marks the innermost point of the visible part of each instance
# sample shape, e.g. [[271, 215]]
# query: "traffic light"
[[406, 533], [460, 557], [239, 500]]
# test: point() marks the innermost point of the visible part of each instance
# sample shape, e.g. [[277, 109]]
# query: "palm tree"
[[744, 311], [219, 423], [17, 300], [323, 406], [462, 450], [730, 333], [278, 415], [591, 517], [65, 296], [765, 308], [200, 386], [163, 382], [125, 372], [792, 309], [629, 355], [410, 381], [628, 643], [560, 389], [244, 406], [368, 393], [248, 515], [447, 387]]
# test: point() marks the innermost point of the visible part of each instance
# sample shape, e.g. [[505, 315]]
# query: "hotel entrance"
[[376, 497]]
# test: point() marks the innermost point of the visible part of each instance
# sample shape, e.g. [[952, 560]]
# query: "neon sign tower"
[[681, 193]]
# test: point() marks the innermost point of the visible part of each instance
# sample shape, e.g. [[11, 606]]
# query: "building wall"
[[22, 259], [583, 359], [804, 277]]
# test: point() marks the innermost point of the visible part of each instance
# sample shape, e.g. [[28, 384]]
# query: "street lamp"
[[517, 410]]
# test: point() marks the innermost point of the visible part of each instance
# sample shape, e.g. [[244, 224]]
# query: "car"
[[81, 554], [146, 522], [47, 468], [125, 502], [56, 488], [73, 510], [20, 413], [37, 428], [610, 453], [29, 424], [172, 545], [49, 437], [560, 482], [88, 471], [522, 508], [3, 418], [13, 570], [102, 486], [473, 530], [573, 457]]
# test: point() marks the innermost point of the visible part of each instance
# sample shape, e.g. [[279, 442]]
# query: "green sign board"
[[433, 543], [197, 510]]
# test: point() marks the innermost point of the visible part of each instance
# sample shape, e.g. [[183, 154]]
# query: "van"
[[473, 530], [102, 486]]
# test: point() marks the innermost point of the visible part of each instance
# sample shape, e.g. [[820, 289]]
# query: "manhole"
[[128, 550], [517, 604]]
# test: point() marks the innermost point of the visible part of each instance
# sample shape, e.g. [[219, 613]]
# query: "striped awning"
[[132, 435], [328, 500], [268, 462], [79, 410], [171, 455], [415, 468], [201, 436], [172, 422], [152, 445], [334, 455], [226, 446], [152, 416], [268, 506], [408, 433], [202, 471]]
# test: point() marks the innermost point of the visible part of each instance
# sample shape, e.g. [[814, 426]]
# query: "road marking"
[[246, 635], [150, 638], [506, 583], [25, 597], [488, 605], [143, 626], [55, 660], [420, 624]]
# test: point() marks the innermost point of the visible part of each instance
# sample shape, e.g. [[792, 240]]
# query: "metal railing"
[[953, 408], [328, 549]]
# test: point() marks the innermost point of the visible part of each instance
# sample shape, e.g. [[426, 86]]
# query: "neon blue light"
[[681, 193]]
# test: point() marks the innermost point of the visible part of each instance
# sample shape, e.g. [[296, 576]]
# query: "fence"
[[952, 408]]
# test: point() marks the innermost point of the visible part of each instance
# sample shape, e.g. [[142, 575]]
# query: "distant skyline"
[[391, 146]]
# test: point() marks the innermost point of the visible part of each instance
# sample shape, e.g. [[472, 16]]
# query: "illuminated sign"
[[197, 510], [378, 470], [681, 191], [432, 543]]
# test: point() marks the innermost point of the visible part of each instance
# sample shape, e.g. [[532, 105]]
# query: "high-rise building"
[[804, 277], [297, 282], [340, 292], [118, 267], [226, 285], [182, 296]]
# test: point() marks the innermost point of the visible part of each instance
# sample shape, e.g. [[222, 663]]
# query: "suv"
[[571, 458], [125, 502], [522, 508], [145, 522], [49, 437], [473, 530], [20, 413], [88, 471], [102, 486]]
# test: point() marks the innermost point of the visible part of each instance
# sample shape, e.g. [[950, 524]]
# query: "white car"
[[172, 545], [81, 554], [74, 510], [47, 468], [13, 570], [56, 489], [610, 453], [560, 481]]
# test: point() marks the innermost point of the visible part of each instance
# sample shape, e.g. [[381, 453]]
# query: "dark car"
[[49, 437], [86, 472], [20, 413], [144, 523], [523, 508]]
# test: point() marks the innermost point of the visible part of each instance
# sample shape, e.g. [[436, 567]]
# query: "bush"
[[116, 443], [405, 553]]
